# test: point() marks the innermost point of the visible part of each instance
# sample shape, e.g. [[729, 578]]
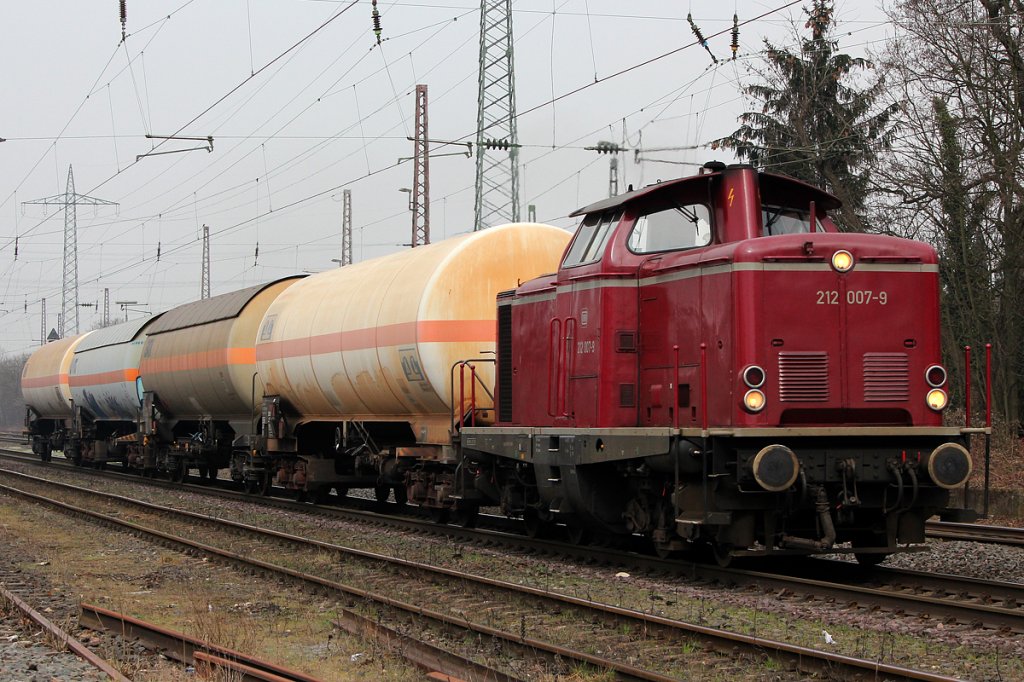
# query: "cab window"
[[591, 239], [785, 220], [681, 226]]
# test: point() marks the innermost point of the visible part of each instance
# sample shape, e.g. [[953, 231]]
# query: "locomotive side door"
[[669, 311]]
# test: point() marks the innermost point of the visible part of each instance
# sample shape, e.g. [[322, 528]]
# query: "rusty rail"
[[187, 649], [63, 637], [428, 657]]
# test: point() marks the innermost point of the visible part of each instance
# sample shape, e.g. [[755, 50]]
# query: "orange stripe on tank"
[[222, 357], [43, 382], [114, 377], [427, 331]]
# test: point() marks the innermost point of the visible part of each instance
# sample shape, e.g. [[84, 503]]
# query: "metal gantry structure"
[[420, 200], [106, 307], [346, 228], [70, 201], [42, 324], [204, 284], [497, 142]]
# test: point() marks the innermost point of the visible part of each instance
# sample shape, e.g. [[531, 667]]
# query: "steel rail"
[[973, 532], [418, 652], [800, 656], [63, 637], [181, 647]]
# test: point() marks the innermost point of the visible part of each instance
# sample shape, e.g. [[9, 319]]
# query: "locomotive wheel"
[[466, 515], [342, 493], [439, 514], [869, 560], [211, 473]]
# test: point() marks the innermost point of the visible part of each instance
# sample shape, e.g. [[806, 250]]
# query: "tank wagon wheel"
[[439, 514], [401, 495], [578, 535], [250, 486], [342, 494], [178, 474], [722, 553], [203, 473], [266, 484], [211, 473], [664, 551], [536, 527], [381, 492]]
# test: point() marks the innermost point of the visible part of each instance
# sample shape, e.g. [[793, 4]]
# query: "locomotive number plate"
[[853, 297]]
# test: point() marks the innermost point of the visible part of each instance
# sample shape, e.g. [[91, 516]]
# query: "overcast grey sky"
[[332, 113]]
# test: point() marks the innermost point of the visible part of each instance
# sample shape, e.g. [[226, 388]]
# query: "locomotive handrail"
[[456, 422]]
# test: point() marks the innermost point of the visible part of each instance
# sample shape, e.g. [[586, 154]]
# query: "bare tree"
[[12, 404], [956, 173]]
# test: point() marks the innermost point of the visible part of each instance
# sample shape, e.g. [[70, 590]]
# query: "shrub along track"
[[525, 621]]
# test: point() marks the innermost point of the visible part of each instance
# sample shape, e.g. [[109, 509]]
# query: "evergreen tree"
[[815, 123]]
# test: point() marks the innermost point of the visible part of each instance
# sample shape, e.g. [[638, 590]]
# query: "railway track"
[[527, 620], [56, 633], [990, 604]]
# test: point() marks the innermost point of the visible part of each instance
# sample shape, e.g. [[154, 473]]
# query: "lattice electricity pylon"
[[204, 282], [42, 326], [421, 173], [106, 307], [497, 143], [70, 200], [346, 228]]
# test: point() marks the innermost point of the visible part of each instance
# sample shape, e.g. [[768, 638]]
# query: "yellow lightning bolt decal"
[[732, 195]]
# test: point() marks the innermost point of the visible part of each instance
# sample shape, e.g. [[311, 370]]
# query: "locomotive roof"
[[775, 184], [213, 309], [114, 334]]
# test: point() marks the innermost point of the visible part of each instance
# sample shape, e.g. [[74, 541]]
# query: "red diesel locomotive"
[[715, 364]]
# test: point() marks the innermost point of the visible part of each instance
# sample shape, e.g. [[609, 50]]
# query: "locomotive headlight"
[[754, 400], [753, 376], [935, 376], [937, 399], [842, 260]]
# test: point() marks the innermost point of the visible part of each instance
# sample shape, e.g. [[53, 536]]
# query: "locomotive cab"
[[715, 362]]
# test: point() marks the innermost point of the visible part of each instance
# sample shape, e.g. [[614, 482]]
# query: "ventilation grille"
[[803, 377], [627, 395], [886, 377], [625, 342], [504, 357]]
